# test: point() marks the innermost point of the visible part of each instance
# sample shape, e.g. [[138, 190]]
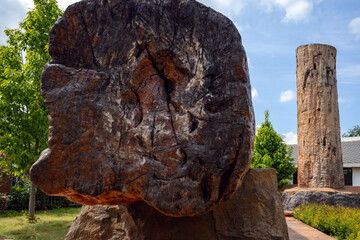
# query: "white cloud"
[[287, 96], [290, 138], [230, 6], [354, 27], [14, 11], [27, 3], [63, 4], [11, 13], [254, 93], [295, 10], [298, 11]]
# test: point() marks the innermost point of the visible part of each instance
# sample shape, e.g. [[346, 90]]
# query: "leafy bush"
[[44, 201], [270, 151], [340, 222], [2, 201], [18, 199]]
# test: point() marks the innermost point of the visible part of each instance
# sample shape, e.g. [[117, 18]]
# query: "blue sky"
[[271, 31]]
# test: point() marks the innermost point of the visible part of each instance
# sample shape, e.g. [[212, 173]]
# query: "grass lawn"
[[51, 225]]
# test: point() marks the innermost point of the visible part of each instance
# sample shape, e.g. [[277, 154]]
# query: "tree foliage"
[[270, 151], [23, 114], [353, 132]]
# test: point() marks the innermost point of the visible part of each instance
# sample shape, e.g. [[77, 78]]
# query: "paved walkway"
[[301, 231]]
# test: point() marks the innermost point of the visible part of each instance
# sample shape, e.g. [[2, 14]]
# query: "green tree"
[[23, 114], [270, 151], [353, 132]]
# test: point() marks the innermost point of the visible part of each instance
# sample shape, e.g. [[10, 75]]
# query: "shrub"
[[2, 201], [18, 199], [340, 222], [270, 151], [44, 201]]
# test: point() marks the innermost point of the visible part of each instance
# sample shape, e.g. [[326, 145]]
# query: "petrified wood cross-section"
[[148, 101]]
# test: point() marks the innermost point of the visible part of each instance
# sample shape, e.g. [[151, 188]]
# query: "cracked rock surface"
[[149, 100]]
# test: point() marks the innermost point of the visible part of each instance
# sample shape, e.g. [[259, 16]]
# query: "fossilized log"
[[320, 163]]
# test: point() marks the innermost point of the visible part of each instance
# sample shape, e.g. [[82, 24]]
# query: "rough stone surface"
[[292, 201], [149, 100], [319, 149], [254, 213]]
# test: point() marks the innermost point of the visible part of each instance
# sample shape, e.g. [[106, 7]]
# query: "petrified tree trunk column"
[[319, 149]]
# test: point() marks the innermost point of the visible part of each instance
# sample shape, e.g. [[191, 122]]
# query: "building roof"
[[350, 147]]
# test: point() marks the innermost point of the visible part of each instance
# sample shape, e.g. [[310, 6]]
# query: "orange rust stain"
[[239, 70], [111, 197], [150, 86]]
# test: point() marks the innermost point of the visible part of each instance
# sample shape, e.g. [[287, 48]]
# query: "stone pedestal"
[[293, 198], [255, 212], [319, 148]]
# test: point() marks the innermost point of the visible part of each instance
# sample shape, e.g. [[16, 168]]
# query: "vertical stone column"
[[319, 148]]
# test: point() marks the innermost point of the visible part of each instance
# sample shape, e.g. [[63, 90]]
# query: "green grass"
[[340, 222], [51, 225]]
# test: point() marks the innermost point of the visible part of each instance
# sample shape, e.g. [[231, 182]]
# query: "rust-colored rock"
[[319, 148], [149, 101], [255, 212]]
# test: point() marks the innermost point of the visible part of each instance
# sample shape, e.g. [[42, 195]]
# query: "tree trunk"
[[32, 202]]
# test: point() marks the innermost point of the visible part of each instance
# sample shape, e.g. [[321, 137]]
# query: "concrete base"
[[300, 231]]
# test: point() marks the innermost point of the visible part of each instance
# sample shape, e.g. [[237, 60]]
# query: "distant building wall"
[[351, 160], [356, 176], [5, 183]]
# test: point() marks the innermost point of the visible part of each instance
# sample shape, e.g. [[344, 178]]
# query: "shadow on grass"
[[42, 230], [11, 213]]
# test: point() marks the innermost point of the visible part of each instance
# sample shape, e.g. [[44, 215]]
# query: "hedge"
[[339, 222]]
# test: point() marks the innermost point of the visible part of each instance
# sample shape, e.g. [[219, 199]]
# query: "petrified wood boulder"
[[255, 212], [149, 100]]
